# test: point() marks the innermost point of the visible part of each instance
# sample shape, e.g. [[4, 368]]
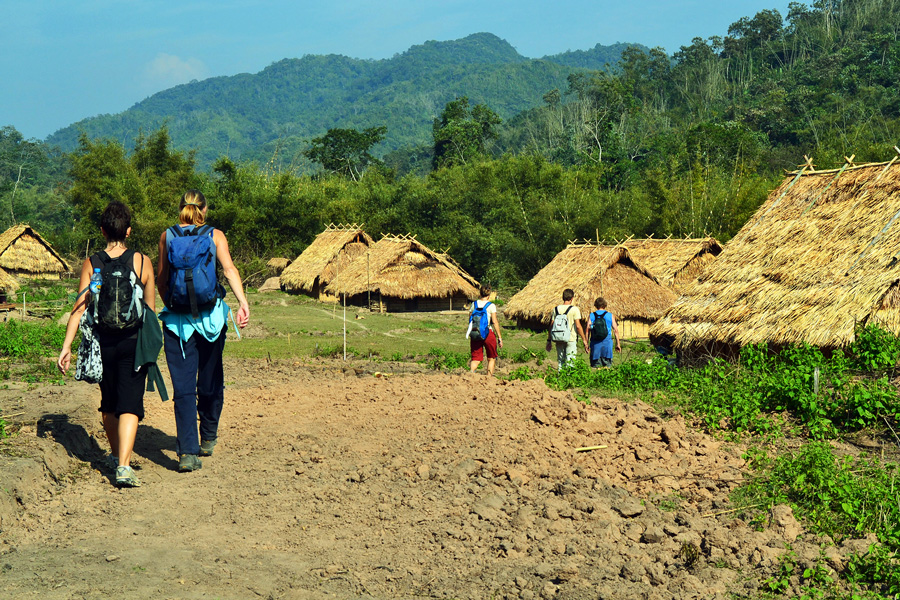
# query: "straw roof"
[[332, 251], [631, 291], [23, 250], [674, 261], [8, 283], [277, 265], [402, 267], [818, 257]]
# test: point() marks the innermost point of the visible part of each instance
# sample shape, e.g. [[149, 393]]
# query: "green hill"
[[272, 113]]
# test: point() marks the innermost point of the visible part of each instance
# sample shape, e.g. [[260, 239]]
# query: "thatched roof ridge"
[[592, 270], [332, 250], [403, 267], [818, 257], [671, 258], [22, 249]]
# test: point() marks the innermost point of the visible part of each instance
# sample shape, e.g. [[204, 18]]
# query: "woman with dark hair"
[[194, 326], [122, 387]]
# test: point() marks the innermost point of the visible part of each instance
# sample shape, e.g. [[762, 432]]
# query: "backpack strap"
[[567, 310]]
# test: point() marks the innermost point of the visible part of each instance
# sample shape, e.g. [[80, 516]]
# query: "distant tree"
[[461, 134], [345, 151], [149, 181]]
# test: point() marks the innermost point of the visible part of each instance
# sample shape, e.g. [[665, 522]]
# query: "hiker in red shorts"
[[484, 331]]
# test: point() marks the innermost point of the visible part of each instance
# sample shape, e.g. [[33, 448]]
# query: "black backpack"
[[599, 330], [118, 306]]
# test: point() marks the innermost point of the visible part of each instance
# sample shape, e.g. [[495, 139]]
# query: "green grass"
[[295, 326]]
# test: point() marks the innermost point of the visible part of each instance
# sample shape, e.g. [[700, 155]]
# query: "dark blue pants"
[[198, 382]]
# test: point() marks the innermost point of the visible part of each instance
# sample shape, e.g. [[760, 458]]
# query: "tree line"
[[683, 145]]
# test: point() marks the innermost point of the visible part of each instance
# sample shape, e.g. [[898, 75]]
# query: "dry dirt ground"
[[337, 482]]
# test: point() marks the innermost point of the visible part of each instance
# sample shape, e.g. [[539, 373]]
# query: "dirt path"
[[333, 483]]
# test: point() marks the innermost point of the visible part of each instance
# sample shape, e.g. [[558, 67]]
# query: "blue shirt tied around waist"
[[604, 348]]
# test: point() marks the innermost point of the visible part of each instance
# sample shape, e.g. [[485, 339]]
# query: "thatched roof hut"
[[817, 258], [24, 252], [633, 294], [8, 285], [675, 262], [402, 274], [331, 252], [278, 265]]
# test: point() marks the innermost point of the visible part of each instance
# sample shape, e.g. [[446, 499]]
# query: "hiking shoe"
[[206, 447], [189, 462], [125, 477], [112, 461]]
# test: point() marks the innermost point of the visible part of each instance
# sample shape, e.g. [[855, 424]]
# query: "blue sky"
[[62, 61]]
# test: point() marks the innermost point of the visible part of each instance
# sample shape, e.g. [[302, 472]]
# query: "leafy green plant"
[[24, 339], [439, 358]]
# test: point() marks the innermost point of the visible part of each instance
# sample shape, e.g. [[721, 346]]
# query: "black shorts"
[[122, 388]]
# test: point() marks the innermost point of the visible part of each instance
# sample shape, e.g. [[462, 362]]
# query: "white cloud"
[[167, 70]]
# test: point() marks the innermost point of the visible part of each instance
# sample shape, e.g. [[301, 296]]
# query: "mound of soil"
[[342, 482]]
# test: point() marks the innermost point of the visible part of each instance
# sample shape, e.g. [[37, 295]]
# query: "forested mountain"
[[685, 144], [274, 112]]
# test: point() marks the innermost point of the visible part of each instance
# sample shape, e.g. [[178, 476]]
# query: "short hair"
[[115, 221], [485, 289], [600, 302], [568, 294], [190, 207]]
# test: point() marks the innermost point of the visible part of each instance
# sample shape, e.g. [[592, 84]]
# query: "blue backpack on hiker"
[[193, 286], [480, 322]]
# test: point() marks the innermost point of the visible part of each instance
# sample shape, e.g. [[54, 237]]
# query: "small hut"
[[675, 262], [818, 258], [8, 286], [24, 253], [330, 253], [633, 294], [401, 274], [278, 265]]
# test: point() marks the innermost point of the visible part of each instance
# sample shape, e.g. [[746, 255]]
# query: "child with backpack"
[[112, 307], [602, 327], [484, 331], [195, 320]]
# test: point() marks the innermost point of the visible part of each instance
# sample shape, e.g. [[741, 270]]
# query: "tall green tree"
[[461, 133], [346, 152], [149, 180]]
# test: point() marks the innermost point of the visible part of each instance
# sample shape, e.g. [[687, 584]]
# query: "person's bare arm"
[[65, 356], [147, 280], [581, 333], [162, 277], [233, 276], [496, 322], [616, 333]]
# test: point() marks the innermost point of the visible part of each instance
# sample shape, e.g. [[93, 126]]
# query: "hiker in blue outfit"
[[114, 326], [484, 331], [195, 320], [602, 327]]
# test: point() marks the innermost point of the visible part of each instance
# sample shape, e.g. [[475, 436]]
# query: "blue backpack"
[[480, 322], [193, 286]]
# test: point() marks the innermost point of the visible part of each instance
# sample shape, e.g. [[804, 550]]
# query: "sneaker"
[[206, 447], [112, 461], [125, 477], [189, 462]]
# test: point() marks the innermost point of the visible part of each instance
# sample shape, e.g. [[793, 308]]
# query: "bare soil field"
[[337, 481]]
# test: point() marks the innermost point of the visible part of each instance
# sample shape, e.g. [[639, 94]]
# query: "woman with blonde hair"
[[195, 321]]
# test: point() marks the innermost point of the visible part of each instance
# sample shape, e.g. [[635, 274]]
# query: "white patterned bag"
[[89, 366]]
